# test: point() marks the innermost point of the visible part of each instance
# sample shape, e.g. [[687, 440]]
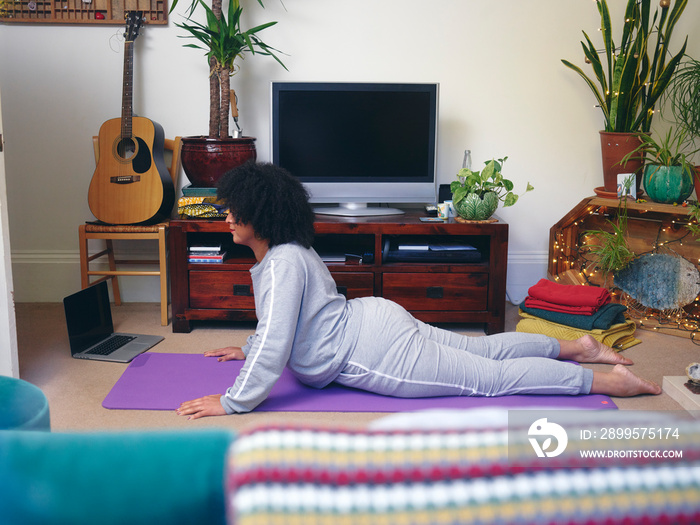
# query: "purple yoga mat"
[[159, 381]]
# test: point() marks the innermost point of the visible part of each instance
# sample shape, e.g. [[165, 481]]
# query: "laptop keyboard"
[[110, 345]]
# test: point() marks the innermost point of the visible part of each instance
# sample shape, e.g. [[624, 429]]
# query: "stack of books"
[[206, 253]]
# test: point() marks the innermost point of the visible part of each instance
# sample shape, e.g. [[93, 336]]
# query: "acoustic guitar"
[[131, 183]]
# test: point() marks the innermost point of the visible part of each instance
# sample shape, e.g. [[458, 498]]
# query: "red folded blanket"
[[544, 305], [567, 298]]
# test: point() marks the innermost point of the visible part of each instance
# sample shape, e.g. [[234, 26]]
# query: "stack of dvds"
[[206, 253]]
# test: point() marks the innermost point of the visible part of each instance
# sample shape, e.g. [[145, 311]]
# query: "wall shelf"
[[109, 12]]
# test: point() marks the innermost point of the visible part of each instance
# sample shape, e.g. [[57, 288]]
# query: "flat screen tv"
[[352, 144]]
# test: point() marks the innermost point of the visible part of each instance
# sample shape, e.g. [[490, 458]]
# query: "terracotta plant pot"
[[667, 184], [614, 146], [205, 160]]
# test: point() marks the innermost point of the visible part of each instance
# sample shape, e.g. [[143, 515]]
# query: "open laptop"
[[91, 332]]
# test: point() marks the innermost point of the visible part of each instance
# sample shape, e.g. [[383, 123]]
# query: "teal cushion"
[[23, 406], [113, 478]]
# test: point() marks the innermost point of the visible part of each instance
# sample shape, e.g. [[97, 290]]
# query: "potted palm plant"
[[476, 195], [629, 78], [224, 41]]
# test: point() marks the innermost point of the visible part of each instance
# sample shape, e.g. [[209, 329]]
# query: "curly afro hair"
[[270, 199]]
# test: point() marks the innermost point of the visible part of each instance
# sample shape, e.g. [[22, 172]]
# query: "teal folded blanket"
[[603, 319]]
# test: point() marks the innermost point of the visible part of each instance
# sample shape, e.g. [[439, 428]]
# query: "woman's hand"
[[210, 405], [226, 354], [202, 407]]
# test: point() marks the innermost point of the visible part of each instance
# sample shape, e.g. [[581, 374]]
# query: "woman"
[[370, 343]]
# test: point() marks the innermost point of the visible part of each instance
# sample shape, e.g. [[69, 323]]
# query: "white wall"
[[9, 363], [504, 91]]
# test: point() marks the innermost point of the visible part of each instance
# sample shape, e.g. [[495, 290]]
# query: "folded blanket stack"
[[570, 311], [566, 298]]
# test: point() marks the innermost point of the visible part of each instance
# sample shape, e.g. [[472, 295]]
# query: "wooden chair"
[[110, 233]]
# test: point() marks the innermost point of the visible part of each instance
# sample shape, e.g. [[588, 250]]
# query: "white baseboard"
[[47, 277], [524, 270]]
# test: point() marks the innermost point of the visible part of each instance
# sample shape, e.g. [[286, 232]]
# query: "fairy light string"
[[571, 248]]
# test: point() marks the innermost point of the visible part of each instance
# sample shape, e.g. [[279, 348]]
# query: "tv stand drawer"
[[354, 284], [431, 291], [211, 289]]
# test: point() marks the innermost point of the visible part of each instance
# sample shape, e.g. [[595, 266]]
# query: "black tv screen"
[[368, 142]]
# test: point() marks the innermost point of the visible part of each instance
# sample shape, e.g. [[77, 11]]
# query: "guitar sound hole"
[[126, 148]]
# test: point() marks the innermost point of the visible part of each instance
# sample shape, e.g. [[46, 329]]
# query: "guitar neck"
[[128, 89]]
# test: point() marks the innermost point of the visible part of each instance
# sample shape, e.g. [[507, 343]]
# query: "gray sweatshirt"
[[303, 324]]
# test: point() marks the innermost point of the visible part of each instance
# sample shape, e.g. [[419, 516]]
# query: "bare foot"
[[621, 382], [587, 349]]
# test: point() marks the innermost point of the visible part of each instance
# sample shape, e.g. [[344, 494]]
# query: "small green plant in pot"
[[611, 251], [668, 171], [475, 195]]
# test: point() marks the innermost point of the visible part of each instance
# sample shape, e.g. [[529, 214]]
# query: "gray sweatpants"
[[398, 355]]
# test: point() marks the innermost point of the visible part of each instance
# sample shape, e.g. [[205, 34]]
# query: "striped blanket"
[[290, 474]]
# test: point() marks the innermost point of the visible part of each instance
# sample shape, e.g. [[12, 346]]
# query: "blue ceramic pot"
[[667, 184]]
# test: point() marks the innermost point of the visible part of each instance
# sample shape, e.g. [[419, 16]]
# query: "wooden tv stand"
[[435, 292]]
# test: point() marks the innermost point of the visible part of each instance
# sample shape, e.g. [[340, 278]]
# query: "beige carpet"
[[75, 388]]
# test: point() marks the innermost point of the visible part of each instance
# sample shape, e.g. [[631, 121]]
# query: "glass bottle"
[[467, 162]]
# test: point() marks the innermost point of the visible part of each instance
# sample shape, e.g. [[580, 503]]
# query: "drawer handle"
[[242, 289], [342, 290], [434, 292]]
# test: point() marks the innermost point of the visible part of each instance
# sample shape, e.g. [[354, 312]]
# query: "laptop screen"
[[88, 316]]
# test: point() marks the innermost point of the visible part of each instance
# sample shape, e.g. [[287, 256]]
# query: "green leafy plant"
[[612, 252], [683, 97], [224, 41], [694, 220], [674, 149], [634, 73], [490, 179]]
